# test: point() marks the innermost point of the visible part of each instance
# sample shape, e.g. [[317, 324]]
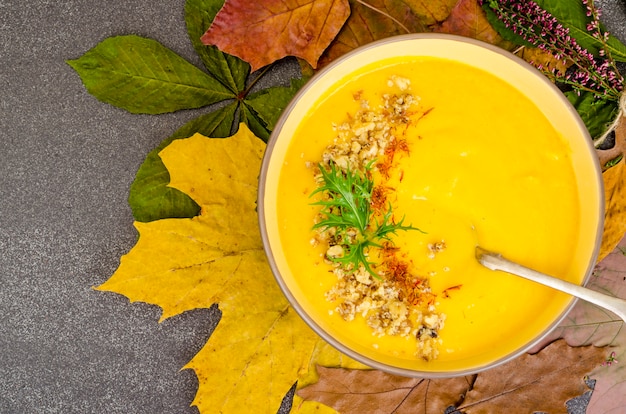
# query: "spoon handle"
[[495, 261]]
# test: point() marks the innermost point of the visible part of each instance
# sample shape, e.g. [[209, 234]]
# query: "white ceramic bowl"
[[489, 58]]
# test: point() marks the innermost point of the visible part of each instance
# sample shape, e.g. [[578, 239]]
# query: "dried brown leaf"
[[264, 31], [588, 324], [377, 392], [542, 382], [541, 58], [609, 395], [431, 12], [468, 19], [619, 149], [372, 20], [515, 387]]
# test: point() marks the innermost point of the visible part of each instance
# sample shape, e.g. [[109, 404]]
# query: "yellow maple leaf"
[[260, 345], [615, 208], [184, 264]]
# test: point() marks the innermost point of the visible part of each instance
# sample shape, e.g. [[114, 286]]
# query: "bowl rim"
[[309, 319]]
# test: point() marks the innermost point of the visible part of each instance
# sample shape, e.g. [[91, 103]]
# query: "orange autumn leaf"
[[468, 19], [542, 59], [372, 20], [264, 31]]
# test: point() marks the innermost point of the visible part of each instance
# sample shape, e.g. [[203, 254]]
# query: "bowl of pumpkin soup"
[[386, 171]]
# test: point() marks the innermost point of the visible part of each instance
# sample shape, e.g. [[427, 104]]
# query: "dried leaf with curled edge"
[[609, 394], [534, 383], [378, 19], [588, 324], [377, 392], [541, 382], [217, 257], [614, 191], [264, 31], [619, 149]]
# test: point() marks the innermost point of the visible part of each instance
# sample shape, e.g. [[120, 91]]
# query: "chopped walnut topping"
[[435, 248], [365, 137], [335, 251], [395, 300]]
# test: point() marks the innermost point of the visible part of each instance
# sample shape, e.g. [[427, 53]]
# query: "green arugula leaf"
[[143, 76], [346, 209], [388, 227], [349, 196], [150, 197], [229, 70]]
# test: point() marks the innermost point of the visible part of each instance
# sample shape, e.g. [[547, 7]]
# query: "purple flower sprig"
[[610, 360], [598, 75]]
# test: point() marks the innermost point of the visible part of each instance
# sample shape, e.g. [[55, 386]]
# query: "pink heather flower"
[[610, 360], [540, 28]]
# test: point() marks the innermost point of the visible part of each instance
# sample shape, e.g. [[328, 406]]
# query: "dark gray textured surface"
[[66, 164]]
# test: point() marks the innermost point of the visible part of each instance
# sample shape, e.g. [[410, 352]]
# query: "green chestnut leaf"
[[142, 76]]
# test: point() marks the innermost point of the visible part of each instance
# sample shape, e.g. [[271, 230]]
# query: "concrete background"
[[66, 164]]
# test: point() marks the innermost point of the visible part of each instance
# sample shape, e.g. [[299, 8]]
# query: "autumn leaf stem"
[[387, 15], [260, 74]]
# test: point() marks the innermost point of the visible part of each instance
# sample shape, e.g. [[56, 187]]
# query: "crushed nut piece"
[[395, 301]]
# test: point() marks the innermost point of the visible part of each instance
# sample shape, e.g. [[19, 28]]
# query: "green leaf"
[[256, 124], [229, 70], [349, 196], [346, 205], [269, 103], [150, 197], [143, 76], [573, 15], [595, 113]]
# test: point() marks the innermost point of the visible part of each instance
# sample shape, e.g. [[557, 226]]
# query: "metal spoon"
[[495, 261]]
